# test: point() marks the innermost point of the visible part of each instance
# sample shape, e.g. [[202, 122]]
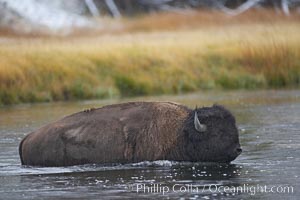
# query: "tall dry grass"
[[244, 54]]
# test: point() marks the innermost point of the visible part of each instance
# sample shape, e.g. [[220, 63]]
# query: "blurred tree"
[[58, 15]]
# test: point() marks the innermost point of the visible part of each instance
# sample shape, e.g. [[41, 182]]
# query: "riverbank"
[[223, 56]]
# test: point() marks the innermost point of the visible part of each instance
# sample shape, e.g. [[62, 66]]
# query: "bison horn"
[[198, 126]]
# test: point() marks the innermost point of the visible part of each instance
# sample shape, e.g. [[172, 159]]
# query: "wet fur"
[[121, 133]]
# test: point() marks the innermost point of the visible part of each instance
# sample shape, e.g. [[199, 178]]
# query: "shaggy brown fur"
[[129, 132]]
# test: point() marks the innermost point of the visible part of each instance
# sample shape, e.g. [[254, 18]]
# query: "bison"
[[134, 132]]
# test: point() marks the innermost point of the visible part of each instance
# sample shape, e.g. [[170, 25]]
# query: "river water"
[[268, 168]]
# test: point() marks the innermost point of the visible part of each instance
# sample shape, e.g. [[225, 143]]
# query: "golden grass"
[[204, 19], [256, 54]]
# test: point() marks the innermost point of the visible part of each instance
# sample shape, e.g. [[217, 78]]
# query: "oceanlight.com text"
[[211, 188]]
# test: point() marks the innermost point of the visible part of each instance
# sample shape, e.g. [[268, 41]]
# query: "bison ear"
[[198, 126]]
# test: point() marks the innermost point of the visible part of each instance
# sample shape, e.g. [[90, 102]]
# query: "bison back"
[[121, 133]]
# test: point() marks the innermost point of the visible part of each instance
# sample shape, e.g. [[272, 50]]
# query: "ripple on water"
[[269, 134]]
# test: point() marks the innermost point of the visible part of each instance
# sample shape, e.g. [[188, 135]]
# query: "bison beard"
[[134, 132]]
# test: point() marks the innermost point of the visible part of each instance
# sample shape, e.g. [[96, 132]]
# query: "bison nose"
[[239, 150]]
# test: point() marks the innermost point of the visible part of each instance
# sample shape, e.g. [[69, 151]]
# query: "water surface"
[[269, 124]]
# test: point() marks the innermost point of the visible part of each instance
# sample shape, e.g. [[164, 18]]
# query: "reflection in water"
[[269, 123]]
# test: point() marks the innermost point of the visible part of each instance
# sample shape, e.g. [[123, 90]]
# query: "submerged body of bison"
[[134, 132]]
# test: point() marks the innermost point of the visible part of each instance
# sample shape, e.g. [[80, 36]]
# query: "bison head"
[[211, 135]]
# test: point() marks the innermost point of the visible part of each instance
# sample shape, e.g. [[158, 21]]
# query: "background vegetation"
[[157, 54]]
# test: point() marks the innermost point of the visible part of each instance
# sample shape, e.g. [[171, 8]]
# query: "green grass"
[[240, 56]]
